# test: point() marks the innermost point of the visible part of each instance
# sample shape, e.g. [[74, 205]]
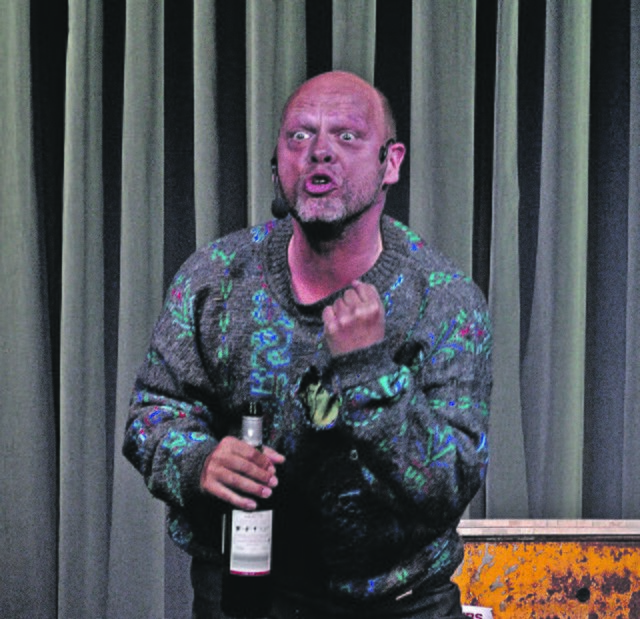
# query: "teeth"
[[320, 180]]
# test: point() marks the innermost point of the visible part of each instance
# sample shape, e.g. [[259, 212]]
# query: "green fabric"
[[553, 367], [275, 67], [442, 91], [141, 291], [28, 455], [206, 161], [354, 37], [506, 493], [84, 541]]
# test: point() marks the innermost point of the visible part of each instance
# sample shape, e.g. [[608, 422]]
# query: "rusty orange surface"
[[552, 579]]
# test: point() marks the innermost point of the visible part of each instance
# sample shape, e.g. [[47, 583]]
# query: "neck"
[[323, 264]]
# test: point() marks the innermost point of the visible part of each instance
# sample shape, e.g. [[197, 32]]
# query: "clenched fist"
[[356, 320]]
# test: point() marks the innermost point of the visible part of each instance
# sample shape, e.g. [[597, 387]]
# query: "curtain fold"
[[136, 561], [276, 49], [354, 37], [206, 161], [631, 425], [442, 124], [80, 534], [506, 494], [83, 542], [28, 454], [553, 366]]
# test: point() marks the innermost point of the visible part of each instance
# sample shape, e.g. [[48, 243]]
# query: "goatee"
[[319, 231], [327, 230], [323, 231]]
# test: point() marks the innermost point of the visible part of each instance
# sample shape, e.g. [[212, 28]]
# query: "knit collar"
[[279, 276]]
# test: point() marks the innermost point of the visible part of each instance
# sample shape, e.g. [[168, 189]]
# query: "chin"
[[317, 211], [322, 231]]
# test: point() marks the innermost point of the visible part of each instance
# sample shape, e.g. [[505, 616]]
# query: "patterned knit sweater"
[[385, 446]]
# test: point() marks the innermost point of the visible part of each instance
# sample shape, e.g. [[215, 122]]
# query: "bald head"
[[341, 82]]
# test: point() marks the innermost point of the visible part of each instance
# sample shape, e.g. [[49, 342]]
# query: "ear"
[[394, 160]]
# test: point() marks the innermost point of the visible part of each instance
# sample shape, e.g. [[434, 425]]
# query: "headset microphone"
[[279, 206], [382, 155], [384, 149]]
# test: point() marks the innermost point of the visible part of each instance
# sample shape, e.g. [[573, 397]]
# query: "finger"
[[234, 487], [273, 455], [350, 298], [252, 464], [226, 494], [329, 319], [241, 483], [266, 460], [359, 287], [366, 292], [233, 461], [247, 452], [343, 314]]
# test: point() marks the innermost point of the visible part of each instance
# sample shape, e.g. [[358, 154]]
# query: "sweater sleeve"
[[419, 415], [169, 431]]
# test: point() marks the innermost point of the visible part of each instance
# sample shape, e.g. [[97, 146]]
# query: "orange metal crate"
[[552, 569]]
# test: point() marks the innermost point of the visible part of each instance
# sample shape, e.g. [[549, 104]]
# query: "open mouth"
[[320, 179], [319, 184]]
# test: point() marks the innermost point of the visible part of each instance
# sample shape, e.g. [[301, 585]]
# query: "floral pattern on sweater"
[[385, 446]]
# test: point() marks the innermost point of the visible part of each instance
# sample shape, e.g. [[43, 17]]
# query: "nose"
[[321, 151]]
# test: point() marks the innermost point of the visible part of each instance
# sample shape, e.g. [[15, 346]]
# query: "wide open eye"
[[299, 136], [347, 136]]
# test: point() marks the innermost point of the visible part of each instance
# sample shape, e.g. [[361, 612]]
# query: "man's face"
[[328, 150]]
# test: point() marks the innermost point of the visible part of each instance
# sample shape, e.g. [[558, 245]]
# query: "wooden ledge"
[[617, 530]]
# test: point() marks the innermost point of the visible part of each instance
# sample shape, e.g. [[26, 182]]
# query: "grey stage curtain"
[[132, 131], [83, 548], [28, 454], [631, 385], [137, 524]]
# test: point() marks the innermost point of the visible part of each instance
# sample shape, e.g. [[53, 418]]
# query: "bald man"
[[370, 353]]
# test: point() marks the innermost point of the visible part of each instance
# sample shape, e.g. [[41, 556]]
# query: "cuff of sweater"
[[363, 365], [191, 469]]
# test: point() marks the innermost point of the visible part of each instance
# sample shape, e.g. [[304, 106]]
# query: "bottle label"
[[250, 543]]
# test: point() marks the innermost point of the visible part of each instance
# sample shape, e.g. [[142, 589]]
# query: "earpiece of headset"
[[279, 206], [384, 149]]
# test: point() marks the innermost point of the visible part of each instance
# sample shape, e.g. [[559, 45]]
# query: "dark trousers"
[[439, 603]]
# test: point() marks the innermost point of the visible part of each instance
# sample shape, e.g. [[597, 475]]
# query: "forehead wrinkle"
[[344, 84], [354, 108]]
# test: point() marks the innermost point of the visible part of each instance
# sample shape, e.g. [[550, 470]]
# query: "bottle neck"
[[252, 431], [252, 426]]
